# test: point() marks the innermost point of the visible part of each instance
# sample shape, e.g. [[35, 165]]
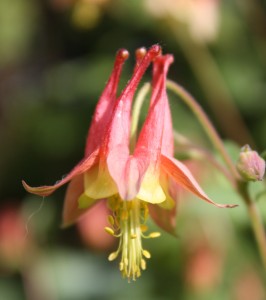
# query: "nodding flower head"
[[134, 182]]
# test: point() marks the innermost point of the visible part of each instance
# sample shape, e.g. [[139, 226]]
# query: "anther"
[[146, 253], [154, 235], [109, 230], [126, 261], [112, 256], [143, 264], [121, 266], [111, 220]]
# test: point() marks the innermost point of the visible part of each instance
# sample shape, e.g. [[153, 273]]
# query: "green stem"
[[209, 76], [256, 220], [241, 187], [205, 122], [196, 152]]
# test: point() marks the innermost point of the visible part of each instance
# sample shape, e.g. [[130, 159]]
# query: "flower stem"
[[204, 68], [241, 187], [256, 220], [205, 122], [196, 152]]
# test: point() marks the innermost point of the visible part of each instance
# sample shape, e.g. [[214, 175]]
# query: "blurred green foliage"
[[55, 58]]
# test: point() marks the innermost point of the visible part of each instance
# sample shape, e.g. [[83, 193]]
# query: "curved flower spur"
[[133, 183]]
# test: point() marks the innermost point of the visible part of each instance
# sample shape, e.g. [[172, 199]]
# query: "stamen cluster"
[[128, 222]]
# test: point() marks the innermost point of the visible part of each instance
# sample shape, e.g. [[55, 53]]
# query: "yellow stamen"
[[112, 256], [128, 221], [111, 220], [143, 264], [146, 253], [154, 235], [109, 230]]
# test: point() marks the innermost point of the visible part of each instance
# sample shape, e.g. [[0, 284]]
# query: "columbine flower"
[[132, 180]]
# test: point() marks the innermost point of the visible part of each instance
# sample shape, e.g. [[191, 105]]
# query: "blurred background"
[[55, 58]]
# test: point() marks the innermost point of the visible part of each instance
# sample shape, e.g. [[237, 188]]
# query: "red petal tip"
[[40, 191], [155, 50], [140, 53], [169, 58], [123, 54], [26, 187]]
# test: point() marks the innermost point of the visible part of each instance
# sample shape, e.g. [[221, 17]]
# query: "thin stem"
[[206, 70], [205, 122], [197, 152], [241, 187], [256, 221]]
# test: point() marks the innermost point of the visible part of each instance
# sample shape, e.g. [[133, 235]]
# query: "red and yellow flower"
[[133, 181]]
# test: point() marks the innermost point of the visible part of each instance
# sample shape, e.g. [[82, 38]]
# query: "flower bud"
[[250, 165]]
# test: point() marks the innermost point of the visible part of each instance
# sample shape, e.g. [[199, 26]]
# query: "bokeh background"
[[55, 58]]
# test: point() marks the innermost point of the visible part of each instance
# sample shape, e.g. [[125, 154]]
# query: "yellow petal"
[[98, 183], [150, 189], [85, 202]]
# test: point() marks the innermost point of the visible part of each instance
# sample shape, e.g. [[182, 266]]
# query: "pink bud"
[[250, 165]]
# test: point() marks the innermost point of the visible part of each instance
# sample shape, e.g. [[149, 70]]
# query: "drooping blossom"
[[134, 181]]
